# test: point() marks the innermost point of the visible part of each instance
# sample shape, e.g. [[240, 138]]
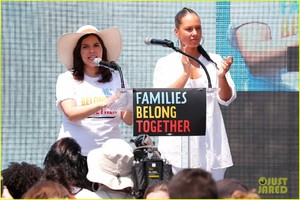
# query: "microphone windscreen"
[[97, 61], [148, 40]]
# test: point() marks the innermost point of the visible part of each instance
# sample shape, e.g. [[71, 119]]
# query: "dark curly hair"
[[19, 177], [66, 155]]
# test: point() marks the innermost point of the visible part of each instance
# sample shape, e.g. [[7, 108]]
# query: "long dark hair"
[[178, 17], [78, 69], [66, 155]]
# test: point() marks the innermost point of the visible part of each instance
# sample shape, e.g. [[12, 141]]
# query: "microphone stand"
[[171, 45], [115, 66]]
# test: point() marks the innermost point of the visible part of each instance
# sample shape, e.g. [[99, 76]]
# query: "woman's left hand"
[[225, 66], [6, 194]]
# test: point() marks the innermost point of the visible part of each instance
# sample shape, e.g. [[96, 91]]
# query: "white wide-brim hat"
[[111, 165], [111, 37]]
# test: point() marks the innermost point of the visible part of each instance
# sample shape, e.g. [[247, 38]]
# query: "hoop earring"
[[177, 43], [202, 40], [94, 188]]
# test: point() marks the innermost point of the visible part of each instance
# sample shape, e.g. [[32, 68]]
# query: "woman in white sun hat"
[[111, 167], [85, 92]]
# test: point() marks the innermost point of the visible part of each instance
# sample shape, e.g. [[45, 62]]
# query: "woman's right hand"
[[112, 99], [186, 63], [182, 80]]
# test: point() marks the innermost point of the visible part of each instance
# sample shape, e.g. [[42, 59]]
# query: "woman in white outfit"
[[210, 152]]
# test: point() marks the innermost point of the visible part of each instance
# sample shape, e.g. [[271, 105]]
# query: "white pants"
[[218, 174]]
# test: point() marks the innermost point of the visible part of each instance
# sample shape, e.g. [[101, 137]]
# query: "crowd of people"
[[108, 175], [90, 159]]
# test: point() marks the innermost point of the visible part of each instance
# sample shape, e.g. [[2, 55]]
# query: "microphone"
[[99, 62], [164, 43], [168, 43], [112, 66]]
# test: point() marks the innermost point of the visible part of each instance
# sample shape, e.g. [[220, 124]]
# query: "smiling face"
[[89, 50], [189, 31]]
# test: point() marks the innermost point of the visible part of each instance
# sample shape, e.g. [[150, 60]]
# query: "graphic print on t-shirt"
[[102, 113]]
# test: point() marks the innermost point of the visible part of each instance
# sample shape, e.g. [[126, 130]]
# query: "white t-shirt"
[[212, 150], [84, 193], [110, 194], [93, 131]]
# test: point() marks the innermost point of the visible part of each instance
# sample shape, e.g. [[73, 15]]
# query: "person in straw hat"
[[111, 167], [85, 91]]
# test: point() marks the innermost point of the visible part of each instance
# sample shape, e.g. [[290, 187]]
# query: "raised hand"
[[225, 66]]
